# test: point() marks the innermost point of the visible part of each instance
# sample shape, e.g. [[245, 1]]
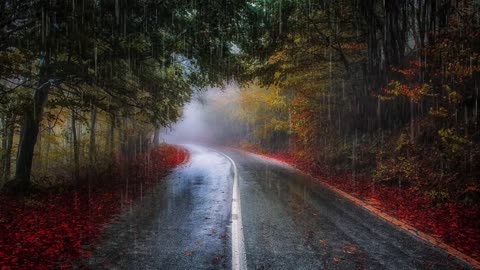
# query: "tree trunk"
[[47, 151], [38, 151], [8, 150], [30, 127], [4, 145], [112, 134], [93, 123], [156, 137], [76, 149]]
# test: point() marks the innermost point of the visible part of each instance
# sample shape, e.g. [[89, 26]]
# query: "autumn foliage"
[[381, 100], [51, 229]]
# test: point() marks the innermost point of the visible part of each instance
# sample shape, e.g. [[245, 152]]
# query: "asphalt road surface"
[[228, 209]]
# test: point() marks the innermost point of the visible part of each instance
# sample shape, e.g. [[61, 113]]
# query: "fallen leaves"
[[223, 237], [349, 249], [54, 229], [323, 243], [337, 259], [217, 259]]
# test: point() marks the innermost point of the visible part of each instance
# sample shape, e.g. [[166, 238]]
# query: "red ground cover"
[[454, 223], [52, 229]]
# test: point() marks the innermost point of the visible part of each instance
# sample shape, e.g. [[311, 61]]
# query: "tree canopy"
[[131, 59]]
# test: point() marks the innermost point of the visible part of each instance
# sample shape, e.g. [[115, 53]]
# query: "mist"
[[204, 121]]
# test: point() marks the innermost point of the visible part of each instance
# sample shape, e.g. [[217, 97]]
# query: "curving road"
[[228, 209]]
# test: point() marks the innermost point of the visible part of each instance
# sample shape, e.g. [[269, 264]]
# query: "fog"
[[203, 120]]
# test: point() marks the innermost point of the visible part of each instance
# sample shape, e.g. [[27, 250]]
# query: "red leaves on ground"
[[350, 248], [456, 224], [50, 230]]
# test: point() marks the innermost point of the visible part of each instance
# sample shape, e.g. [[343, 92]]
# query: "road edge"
[[401, 224]]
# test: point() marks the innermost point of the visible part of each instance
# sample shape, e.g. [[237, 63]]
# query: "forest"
[[111, 71], [396, 94], [377, 98], [380, 97], [389, 89]]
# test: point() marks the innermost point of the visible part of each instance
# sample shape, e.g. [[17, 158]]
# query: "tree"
[[136, 59]]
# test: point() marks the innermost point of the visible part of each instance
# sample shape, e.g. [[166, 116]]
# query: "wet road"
[[276, 219]]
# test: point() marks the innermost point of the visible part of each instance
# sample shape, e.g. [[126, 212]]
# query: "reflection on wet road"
[[289, 222], [183, 224]]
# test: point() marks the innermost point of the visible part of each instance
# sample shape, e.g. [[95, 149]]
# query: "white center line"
[[239, 261]]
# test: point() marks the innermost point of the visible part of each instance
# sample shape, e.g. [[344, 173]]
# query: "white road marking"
[[239, 261]]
